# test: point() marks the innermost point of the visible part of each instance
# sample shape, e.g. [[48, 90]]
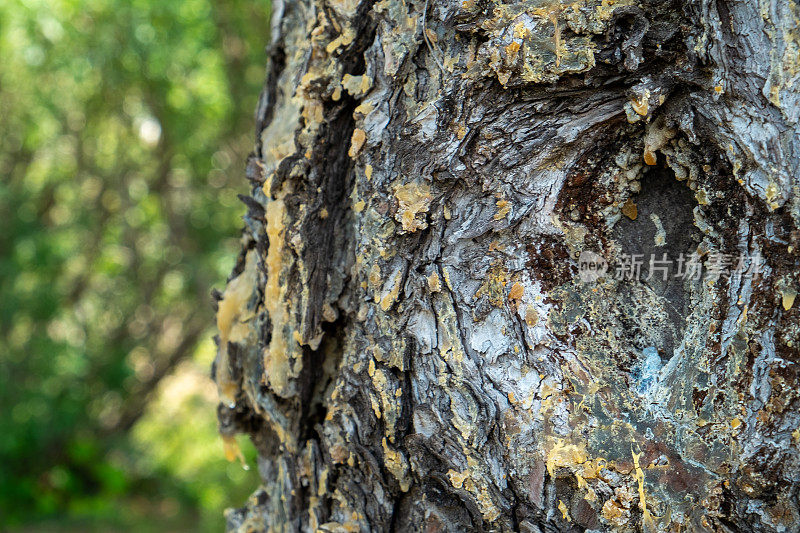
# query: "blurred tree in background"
[[124, 127]]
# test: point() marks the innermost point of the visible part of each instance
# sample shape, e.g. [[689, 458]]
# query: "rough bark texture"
[[406, 338]]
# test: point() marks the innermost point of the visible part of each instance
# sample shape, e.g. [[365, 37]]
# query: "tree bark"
[[409, 337]]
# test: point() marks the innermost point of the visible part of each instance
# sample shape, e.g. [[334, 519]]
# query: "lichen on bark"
[[407, 338]]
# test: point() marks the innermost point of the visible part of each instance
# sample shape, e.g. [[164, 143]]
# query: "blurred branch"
[[139, 397]]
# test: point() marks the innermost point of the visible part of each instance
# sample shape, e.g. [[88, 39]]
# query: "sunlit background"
[[124, 127]]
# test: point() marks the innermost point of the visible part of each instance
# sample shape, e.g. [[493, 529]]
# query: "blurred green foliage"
[[124, 127]]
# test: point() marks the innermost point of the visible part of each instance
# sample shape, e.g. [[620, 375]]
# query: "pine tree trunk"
[[433, 325]]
